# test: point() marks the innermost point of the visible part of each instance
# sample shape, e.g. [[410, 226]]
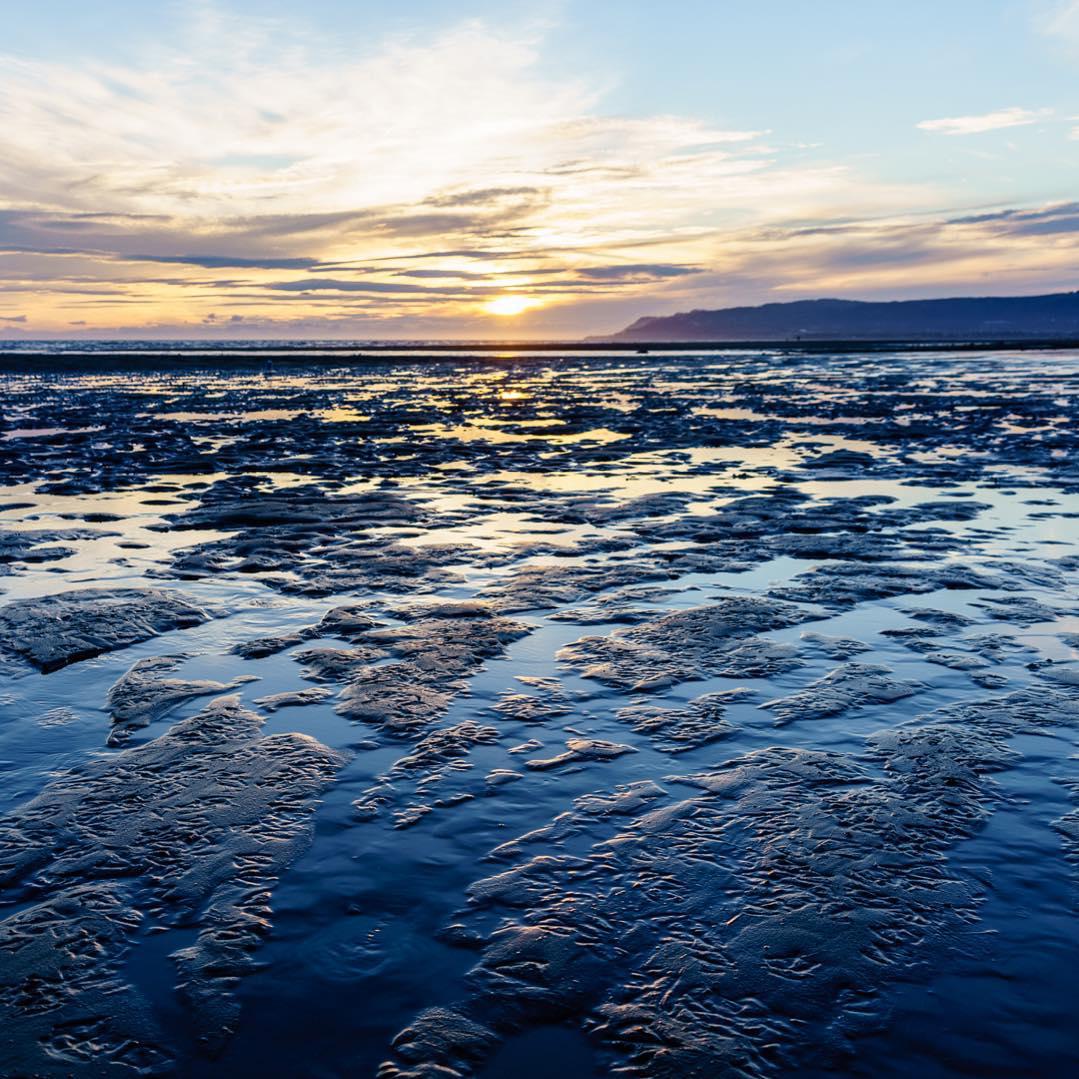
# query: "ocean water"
[[673, 714]]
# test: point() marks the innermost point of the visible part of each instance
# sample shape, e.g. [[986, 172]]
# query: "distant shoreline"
[[109, 355]]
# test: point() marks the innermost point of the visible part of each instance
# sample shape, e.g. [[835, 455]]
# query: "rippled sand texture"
[[649, 716]]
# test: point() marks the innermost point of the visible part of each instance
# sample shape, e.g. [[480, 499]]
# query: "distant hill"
[[963, 318]]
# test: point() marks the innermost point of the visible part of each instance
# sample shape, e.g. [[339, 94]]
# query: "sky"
[[418, 170]]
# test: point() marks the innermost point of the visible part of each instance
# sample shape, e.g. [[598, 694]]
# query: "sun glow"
[[509, 305]]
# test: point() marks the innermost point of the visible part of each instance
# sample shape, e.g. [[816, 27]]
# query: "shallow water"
[[865, 863]]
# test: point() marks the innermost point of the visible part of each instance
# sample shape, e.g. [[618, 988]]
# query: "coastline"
[[158, 355]]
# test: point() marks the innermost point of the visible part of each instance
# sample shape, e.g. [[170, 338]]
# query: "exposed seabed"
[[522, 716]]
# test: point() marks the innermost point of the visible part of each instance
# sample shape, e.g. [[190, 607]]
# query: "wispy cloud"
[[243, 147], [283, 184], [1062, 21], [218, 262], [1009, 249], [989, 121], [636, 272], [242, 123]]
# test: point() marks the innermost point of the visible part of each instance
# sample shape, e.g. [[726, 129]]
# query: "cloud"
[[996, 251], [1062, 22], [636, 271], [215, 262], [989, 121], [465, 275], [236, 144], [240, 116], [1058, 219], [1013, 249], [485, 196], [12, 318], [239, 123], [331, 284], [287, 184]]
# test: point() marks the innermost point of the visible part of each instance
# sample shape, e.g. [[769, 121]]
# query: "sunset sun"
[[509, 305]]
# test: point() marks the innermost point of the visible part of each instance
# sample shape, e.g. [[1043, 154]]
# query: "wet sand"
[[664, 715]]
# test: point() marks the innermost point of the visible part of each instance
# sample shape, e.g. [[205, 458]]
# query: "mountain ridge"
[[1051, 315]]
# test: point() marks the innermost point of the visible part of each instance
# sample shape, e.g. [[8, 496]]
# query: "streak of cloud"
[[989, 121]]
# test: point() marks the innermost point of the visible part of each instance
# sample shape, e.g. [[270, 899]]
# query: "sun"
[[509, 305]]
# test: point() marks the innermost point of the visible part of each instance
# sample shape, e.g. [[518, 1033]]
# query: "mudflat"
[[683, 714]]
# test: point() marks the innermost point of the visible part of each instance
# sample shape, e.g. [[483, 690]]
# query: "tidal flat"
[[519, 716]]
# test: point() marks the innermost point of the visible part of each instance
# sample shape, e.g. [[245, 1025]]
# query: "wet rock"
[[327, 664], [64, 1004], [53, 631], [845, 584], [193, 828], [1022, 610], [579, 750], [696, 643], [803, 885], [499, 777], [144, 693], [549, 702], [298, 698], [393, 697], [676, 730], [261, 647], [853, 685], [34, 546], [553, 585], [443, 1043], [835, 647]]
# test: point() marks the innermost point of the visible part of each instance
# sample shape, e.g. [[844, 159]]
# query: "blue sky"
[[469, 169]]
